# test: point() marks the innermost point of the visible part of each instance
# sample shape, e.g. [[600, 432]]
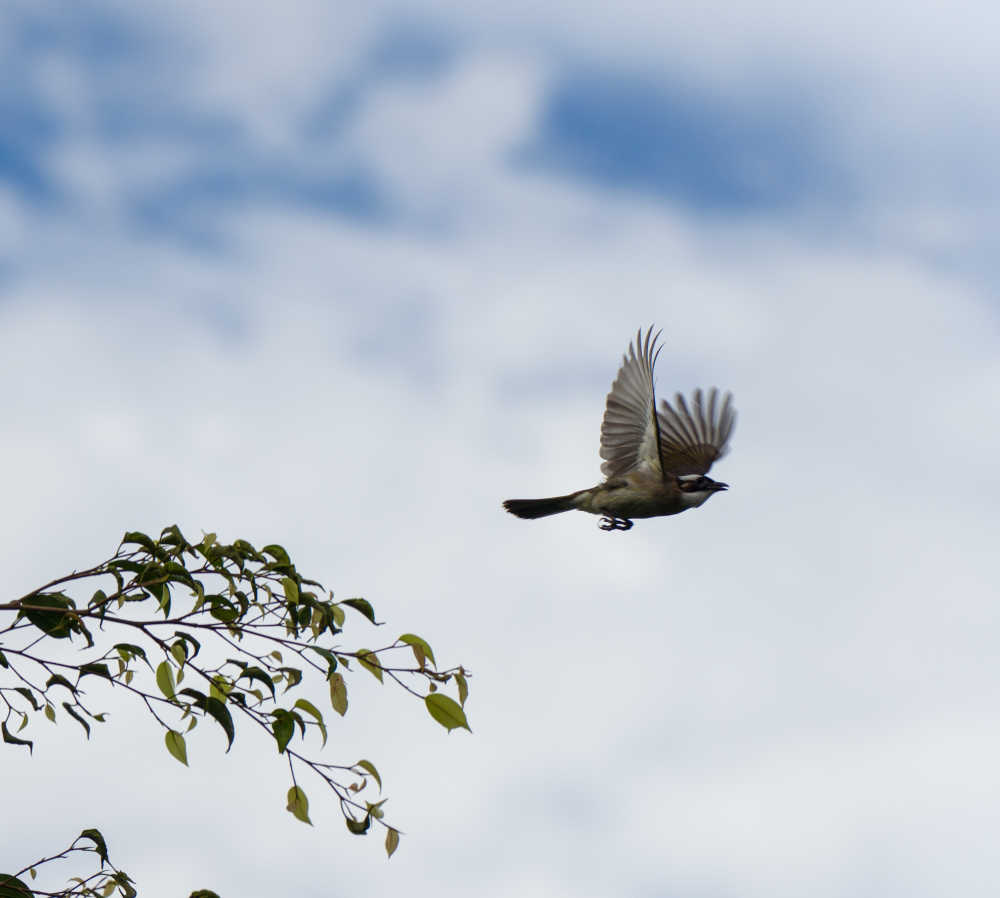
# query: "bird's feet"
[[607, 523]]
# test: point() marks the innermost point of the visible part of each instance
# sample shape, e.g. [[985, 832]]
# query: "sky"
[[346, 277]]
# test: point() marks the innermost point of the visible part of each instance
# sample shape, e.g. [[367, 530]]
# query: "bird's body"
[[655, 461]]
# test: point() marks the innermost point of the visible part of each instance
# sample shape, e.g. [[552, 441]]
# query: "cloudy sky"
[[344, 278]]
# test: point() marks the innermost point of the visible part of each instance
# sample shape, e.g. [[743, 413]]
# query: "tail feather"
[[540, 508]]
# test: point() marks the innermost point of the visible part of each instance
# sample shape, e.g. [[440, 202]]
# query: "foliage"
[[106, 881], [210, 631]]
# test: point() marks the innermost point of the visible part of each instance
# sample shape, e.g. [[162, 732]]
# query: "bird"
[[655, 461]]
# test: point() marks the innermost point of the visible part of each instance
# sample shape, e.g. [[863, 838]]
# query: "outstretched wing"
[[629, 435], [693, 438]]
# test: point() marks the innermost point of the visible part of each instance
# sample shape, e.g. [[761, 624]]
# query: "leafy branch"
[[107, 880], [240, 628]]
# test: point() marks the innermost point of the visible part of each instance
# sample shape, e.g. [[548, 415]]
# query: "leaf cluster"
[[108, 880], [212, 631]]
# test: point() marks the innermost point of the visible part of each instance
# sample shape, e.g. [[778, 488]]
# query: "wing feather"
[[630, 436], [693, 438]]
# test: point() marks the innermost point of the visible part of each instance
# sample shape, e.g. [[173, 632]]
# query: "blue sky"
[[782, 133], [387, 260]]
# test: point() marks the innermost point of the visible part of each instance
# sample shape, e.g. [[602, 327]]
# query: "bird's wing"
[[693, 437], [629, 434]]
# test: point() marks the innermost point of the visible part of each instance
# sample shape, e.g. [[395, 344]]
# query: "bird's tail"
[[541, 508]]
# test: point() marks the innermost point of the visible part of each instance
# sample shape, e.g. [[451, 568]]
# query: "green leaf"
[[277, 553], [29, 695], [139, 539], [188, 639], [255, 673], [222, 609], [99, 598], [446, 711], [69, 710], [50, 712], [420, 648], [165, 679], [176, 746], [245, 550], [369, 661], [10, 887], [338, 694], [203, 893], [125, 884], [291, 590], [11, 739], [463, 688], [283, 728], [179, 652], [96, 668], [95, 836], [303, 616], [370, 767], [159, 591], [220, 688], [326, 655], [298, 804], [56, 623], [60, 680], [215, 708], [318, 621], [361, 605], [358, 827], [127, 651], [293, 676], [311, 709], [123, 564], [172, 536], [391, 841], [222, 716]]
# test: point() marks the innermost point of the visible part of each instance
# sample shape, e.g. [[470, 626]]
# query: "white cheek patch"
[[694, 499]]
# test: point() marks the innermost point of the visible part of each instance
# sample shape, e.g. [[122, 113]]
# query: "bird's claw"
[[607, 523]]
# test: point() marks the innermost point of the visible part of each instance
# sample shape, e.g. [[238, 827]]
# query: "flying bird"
[[655, 462]]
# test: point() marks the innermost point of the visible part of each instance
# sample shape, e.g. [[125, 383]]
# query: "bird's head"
[[696, 488]]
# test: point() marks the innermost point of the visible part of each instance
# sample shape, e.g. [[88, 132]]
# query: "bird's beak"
[[720, 486]]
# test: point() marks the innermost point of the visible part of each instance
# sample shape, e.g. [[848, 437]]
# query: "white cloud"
[[407, 134]]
